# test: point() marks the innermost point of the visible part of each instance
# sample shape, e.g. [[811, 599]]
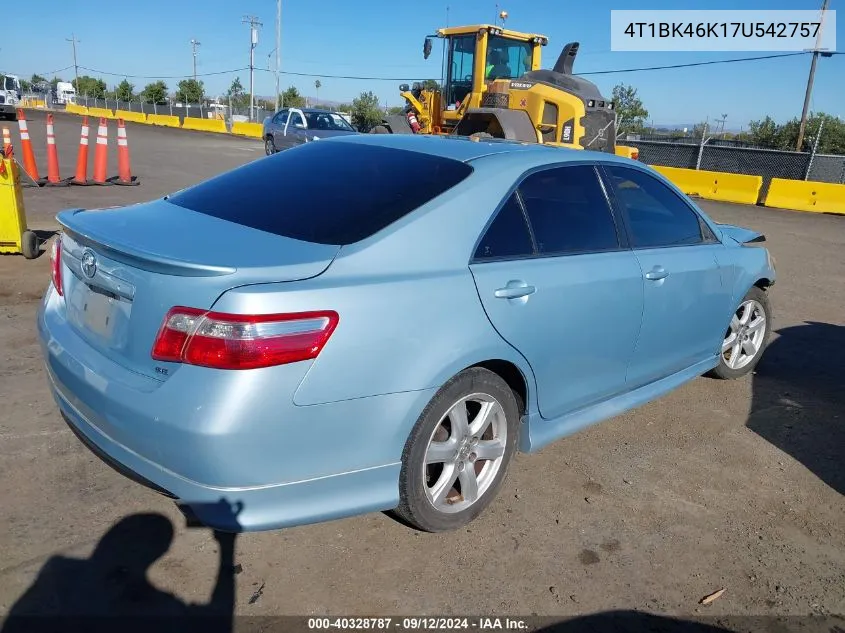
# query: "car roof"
[[465, 149]]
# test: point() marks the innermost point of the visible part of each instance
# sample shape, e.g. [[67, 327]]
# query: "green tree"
[[629, 108], [291, 98], [155, 92], [190, 91], [37, 80], [87, 86], [765, 133], [54, 82], [124, 91], [396, 110], [26, 86], [431, 84], [236, 94], [366, 111]]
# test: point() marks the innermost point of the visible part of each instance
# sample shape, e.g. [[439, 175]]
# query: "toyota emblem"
[[89, 263]]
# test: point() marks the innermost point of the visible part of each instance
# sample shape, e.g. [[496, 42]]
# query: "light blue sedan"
[[390, 331]]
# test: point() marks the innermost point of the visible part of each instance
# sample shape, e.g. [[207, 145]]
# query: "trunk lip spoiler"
[[121, 251]]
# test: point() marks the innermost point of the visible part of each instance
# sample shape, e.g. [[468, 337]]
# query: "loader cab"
[[474, 56]]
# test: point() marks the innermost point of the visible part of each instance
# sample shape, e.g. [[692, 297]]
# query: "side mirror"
[[427, 48]]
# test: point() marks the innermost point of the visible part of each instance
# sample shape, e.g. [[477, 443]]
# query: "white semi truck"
[[65, 92], [10, 96]]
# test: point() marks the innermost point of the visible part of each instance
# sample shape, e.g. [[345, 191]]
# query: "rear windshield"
[[325, 192]]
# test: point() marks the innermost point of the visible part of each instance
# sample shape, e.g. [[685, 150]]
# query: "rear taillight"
[[238, 341], [56, 264]]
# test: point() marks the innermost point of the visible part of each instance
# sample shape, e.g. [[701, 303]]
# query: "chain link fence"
[[734, 157]]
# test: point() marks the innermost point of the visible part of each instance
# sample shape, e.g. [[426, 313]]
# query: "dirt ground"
[[735, 485]]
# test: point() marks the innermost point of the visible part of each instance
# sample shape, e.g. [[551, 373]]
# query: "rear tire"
[[747, 332], [458, 453], [29, 244]]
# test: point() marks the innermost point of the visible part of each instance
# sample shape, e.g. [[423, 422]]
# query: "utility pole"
[[253, 41], [278, 46], [75, 41], [810, 79], [194, 44]]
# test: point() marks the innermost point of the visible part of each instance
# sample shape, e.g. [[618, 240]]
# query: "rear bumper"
[[6, 109], [239, 456]]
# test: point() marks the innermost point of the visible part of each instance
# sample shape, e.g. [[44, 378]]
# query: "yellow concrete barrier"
[[127, 115], [806, 195], [715, 185], [101, 112], [255, 130], [204, 125], [75, 108], [167, 120]]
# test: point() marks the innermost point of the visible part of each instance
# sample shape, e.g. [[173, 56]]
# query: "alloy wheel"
[[745, 335], [465, 452]]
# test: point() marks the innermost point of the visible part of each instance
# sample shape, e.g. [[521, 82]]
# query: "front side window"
[[506, 58], [656, 215], [327, 121], [568, 211], [296, 119], [281, 118]]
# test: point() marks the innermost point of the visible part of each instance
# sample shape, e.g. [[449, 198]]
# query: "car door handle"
[[515, 290], [658, 272]]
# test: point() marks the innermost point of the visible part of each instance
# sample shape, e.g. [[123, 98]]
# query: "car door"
[[277, 127], [687, 294], [295, 129], [559, 285]]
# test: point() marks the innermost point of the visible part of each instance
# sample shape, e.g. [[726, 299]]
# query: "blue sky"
[[383, 38]]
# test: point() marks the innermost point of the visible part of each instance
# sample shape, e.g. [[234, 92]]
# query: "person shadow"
[[798, 399], [110, 591]]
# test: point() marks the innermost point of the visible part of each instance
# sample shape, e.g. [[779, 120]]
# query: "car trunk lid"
[[124, 268]]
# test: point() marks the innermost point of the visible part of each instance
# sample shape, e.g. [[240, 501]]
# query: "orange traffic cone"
[[7, 137], [81, 177], [124, 172], [53, 178], [29, 165], [101, 154]]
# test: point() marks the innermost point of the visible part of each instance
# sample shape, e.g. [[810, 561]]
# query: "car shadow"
[[639, 622], [110, 590], [798, 401]]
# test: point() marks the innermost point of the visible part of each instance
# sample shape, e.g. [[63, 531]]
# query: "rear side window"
[[325, 192], [507, 235], [656, 215], [568, 211]]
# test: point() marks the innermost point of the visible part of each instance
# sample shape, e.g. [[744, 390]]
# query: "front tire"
[[29, 245], [746, 337], [269, 146], [458, 453]]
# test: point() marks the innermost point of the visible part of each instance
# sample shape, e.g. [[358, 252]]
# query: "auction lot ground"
[[735, 485]]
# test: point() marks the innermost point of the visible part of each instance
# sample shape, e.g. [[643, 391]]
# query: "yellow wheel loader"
[[494, 87]]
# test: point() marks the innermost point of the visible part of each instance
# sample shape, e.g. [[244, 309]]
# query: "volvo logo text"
[[89, 263]]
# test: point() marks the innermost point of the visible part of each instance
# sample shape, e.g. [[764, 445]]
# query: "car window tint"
[[656, 215], [568, 211], [507, 235], [296, 119], [281, 117], [326, 192]]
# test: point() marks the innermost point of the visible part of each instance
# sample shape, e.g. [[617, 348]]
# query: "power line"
[[219, 72], [406, 78], [691, 64], [53, 72]]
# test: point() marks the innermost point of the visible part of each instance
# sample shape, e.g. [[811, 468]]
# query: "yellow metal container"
[[14, 236]]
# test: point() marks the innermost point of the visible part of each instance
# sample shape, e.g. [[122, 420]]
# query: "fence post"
[[814, 150], [701, 147], [155, 107]]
